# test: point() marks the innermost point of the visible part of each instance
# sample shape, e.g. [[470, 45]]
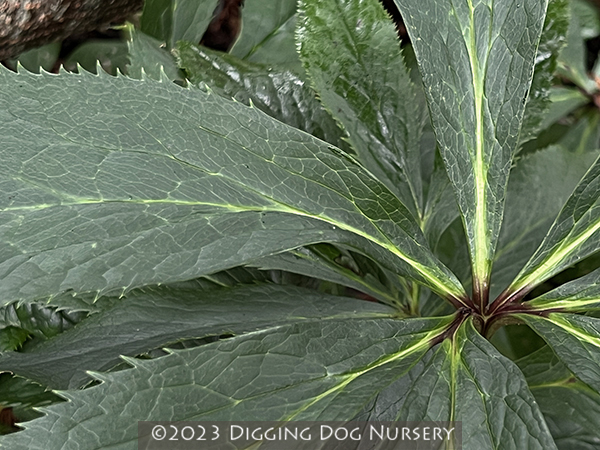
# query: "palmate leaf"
[[153, 317], [576, 341], [573, 236], [466, 379], [324, 370], [571, 408], [114, 183], [476, 59], [351, 53]]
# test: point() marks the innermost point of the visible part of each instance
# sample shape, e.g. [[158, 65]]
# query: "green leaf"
[[147, 56], [267, 35], [40, 321], [576, 341], [322, 370], [477, 60], [465, 379], [174, 184], [110, 54], [552, 40], [279, 93], [529, 190], [352, 55], [34, 60], [154, 317], [441, 209], [516, 341], [318, 264], [172, 20], [572, 60], [573, 236], [564, 100], [580, 295], [18, 392], [11, 338], [571, 409], [583, 136]]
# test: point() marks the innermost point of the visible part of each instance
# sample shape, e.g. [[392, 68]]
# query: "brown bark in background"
[[30, 23]]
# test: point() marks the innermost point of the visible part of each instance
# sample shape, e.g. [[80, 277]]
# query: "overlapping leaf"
[[465, 379], [154, 317], [580, 295], [571, 409], [551, 42], [278, 92], [576, 341], [38, 320], [572, 61], [112, 183], [573, 236], [351, 52], [267, 35], [148, 57], [528, 190], [322, 370], [314, 263], [172, 20], [476, 60]]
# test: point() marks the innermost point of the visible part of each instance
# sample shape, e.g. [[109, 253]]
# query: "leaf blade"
[[195, 157], [304, 363], [150, 318], [477, 72], [574, 235], [576, 341], [351, 53], [465, 379]]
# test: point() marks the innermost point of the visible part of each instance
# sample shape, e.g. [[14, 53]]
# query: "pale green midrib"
[[481, 251], [560, 383], [454, 354], [348, 378], [553, 261], [581, 335], [454, 290], [281, 208], [563, 303]]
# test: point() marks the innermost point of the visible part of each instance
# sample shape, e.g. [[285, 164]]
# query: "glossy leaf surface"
[[279, 93]]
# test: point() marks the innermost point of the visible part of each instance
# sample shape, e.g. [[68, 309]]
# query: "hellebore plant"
[[293, 277]]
